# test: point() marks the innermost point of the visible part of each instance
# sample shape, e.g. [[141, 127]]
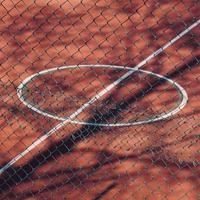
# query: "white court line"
[[96, 97], [22, 88]]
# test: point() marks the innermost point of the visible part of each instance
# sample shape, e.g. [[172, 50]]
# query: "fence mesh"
[[99, 99]]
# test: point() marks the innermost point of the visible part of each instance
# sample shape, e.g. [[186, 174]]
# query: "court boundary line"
[[108, 88]]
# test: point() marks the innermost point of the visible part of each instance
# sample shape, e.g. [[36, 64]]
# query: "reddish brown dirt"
[[155, 161]]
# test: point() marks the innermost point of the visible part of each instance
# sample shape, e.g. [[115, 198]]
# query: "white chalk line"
[[22, 89], [96, 97]]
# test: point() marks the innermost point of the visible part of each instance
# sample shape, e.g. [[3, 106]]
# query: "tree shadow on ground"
[[14, 176], [50, 37]]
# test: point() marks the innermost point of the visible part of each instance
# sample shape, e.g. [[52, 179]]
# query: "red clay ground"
[[154, 161]]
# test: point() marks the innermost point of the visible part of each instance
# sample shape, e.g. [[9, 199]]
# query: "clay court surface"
[[153, 161]]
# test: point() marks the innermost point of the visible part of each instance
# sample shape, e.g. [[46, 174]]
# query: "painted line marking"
[[96, 97], [22, 88]]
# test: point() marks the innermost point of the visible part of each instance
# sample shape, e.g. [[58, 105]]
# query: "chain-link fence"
[[99, 99]]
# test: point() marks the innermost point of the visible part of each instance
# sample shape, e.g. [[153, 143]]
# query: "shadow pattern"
[[153, 161]]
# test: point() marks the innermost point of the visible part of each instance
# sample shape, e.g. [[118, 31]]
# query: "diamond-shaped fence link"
[[99, 99]]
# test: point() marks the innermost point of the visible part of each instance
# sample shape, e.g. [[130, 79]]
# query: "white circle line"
[[70, 119]]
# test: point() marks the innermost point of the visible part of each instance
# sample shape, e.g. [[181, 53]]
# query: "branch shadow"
[[14, 176], [48, 35]]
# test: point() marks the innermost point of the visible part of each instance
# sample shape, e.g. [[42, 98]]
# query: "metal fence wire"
[[99, 99]]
